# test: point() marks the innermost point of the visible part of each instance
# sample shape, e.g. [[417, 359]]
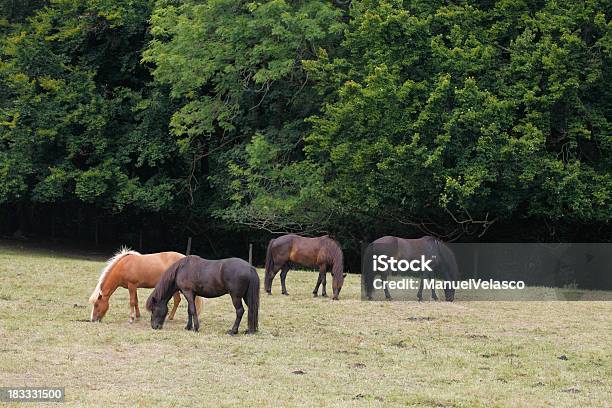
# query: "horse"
[[194, 276], [130, 269], [443, 259], [321, 252]]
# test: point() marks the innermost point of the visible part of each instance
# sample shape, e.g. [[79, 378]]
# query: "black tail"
[[451, 271], [449, 268], [269, 266], [367, 271], [253, 301]]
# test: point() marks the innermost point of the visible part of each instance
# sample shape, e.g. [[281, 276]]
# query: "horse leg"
[[189, 316], [322, 272], [369, 284], [133, 301], [315, 292], [193, 322], [175, 304], [237, 301], [324, 283], [283, 276], [387, 293], [434, 296], [136, 304], [420, 292]]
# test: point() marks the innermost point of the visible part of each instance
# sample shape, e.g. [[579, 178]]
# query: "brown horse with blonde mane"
[[320, 252], [132, 270]]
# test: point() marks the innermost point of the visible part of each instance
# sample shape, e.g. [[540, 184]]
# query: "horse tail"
[[253, 300], [450, 262], [110, 264], [165, 284], [269, 265], [368, 271]]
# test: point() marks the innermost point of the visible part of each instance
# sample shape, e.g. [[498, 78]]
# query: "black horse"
[[194, 276], [409, 249]]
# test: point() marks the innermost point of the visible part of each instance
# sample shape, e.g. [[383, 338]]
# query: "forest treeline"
[[232, 120]]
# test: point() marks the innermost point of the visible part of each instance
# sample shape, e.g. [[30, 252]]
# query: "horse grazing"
[[131, 270], [443, 260], [193, 276], [321, 252]]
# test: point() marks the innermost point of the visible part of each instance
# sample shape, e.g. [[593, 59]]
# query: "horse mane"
[[110, 264], [165, 284]]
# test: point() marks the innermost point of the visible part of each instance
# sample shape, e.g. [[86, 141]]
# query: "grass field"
[[309, 352]]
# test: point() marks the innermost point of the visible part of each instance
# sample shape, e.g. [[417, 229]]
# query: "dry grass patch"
[[309, 352]]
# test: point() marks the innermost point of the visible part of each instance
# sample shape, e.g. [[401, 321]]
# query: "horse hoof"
[[315, 294], [324, 295], [232, 333], [187, 327], [389, 298], [269, 293], [286, 293], [130, 321]]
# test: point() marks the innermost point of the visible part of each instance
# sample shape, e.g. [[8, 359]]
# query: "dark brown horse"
[[194, 276], [410, 249], [321, 252]]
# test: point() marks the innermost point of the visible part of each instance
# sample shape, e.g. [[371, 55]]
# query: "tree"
[[449, 118], [235, 70], [77, 123]]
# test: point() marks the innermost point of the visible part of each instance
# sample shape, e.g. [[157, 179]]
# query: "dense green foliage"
[[467, 119]]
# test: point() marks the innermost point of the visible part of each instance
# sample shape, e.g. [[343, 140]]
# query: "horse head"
[[159, 311], [337, 282], [100, 307]]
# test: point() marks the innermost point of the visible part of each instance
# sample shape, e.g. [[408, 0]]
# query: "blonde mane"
[[123, 251]]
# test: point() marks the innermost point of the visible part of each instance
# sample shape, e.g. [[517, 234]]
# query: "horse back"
[[413, 248], [145, 270], [213, 278], [309, 252], [407, 248]]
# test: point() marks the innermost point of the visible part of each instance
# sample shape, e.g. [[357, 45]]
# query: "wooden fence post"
[[188, 251]]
